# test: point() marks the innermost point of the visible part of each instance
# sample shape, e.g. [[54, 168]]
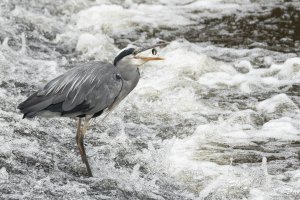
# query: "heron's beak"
[[146, 59]]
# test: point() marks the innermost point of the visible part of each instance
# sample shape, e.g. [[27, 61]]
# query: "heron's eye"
[[154, 51], [118, 76]]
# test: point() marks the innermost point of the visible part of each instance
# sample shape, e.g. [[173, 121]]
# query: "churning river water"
[[218, 119]]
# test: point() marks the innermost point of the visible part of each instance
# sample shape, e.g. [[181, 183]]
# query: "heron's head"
[[136, 56]]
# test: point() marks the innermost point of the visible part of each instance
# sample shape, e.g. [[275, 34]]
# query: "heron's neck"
[[130, 75], [128, 71]]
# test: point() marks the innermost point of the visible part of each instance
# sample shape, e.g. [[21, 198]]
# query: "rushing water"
[[218, 119]]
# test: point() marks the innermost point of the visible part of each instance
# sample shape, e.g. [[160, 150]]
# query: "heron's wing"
[[86, 89]]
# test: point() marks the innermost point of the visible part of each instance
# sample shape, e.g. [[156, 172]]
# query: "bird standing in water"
[[87, 90]]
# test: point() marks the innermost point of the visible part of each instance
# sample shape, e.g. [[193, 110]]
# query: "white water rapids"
[[218, 119]]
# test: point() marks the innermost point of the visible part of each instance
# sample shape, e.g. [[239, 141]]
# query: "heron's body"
[[86, 91]]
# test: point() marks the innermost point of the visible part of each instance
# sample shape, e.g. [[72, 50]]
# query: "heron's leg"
[[86, 124], [78, 137], [79, 140]]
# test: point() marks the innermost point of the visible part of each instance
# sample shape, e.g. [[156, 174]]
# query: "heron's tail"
[[33, 104]]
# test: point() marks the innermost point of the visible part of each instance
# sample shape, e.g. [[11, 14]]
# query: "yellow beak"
[[148, 58]]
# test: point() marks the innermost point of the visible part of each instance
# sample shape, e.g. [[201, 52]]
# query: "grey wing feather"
[[86, 89]]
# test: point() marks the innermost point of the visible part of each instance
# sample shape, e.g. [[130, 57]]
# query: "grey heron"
[[87, 90]]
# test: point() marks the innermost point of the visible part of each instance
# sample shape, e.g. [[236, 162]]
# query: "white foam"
[[98, 46], [184, 61], [278, 105], [283, 128], [159, 16], [243, 66], [213, 6], [3, 175], [104, 18]]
